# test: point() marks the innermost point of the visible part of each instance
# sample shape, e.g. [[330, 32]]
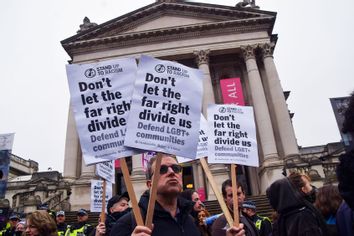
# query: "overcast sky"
[[314, 58]]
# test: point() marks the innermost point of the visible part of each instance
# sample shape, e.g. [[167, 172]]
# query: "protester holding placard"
[[220, 225], [171, 215]]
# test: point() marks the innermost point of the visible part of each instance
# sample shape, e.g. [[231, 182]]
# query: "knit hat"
[[249, 205], [60, 213], [82, 212]]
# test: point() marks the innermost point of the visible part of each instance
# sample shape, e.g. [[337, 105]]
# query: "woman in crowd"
[[40, 223], [328, 200], [199, 212]]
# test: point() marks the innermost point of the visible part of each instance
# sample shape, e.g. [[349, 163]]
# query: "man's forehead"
[[123, 199], [229, 188], [166, 159]]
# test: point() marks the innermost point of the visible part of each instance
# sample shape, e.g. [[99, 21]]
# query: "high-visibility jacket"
[[259, 221], [78, 231], [2, 231]]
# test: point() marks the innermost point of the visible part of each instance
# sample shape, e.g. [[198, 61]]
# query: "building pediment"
[[161, 20]]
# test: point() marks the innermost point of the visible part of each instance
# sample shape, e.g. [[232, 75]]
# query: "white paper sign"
[[202, 149], [166, 107], [100, 96], [106, 170], [6, 141], [96, 195], [232, 135]]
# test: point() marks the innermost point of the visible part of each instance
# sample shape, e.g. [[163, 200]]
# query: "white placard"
[[166, 107], [100, 96], [6, 141], [232, 135], [202, 149], [96, 195], [106, 171]]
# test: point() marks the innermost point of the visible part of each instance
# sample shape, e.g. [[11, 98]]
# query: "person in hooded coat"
[[345, 176], [292, 198]]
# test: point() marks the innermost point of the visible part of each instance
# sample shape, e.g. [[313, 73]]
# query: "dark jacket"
[[296, 216], [112, 219], [345, 220], [10, 232], [220, 225], [164, 223], [345, 176], [62, 227]]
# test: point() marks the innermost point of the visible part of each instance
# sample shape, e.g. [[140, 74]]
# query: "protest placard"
[[100, 97], [166, 107], [106, 171], [232, 135], [97, 194], [6, 142], [202, 148]]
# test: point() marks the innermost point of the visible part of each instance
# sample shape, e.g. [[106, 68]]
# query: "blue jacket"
[[345, 220]]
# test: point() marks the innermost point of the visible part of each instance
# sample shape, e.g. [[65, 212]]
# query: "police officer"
[[14, 219], [81, 228], [263, 224], [4, 225], [61, 225]]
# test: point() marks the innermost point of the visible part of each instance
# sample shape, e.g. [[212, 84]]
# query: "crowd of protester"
[[300, 209]]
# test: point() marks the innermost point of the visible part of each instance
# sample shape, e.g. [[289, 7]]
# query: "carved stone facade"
[[223, 42], [27, 188]]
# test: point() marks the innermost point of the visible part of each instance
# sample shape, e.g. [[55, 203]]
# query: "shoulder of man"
[[219, 226]]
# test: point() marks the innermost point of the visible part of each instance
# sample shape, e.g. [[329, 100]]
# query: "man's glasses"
[[164, 168], [176, 169]]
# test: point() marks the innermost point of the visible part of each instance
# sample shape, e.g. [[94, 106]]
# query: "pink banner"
[[231, 90], [201, 193], [116, 164]]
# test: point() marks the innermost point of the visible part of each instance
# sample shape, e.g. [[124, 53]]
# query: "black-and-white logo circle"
[[90, 73], [159, 68], [222, 109]]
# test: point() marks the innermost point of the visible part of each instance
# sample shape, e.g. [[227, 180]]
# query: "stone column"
[[71, 149], [283, 122], [263, 121], [138, 177], [87, 172], [202, 59]]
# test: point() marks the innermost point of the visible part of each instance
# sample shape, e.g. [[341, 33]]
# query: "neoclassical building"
[[223, 42]]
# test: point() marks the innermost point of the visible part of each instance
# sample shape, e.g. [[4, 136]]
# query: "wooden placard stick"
[[218, 195], [153, 191], [129, 186], [103, 212], [234, 195]]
